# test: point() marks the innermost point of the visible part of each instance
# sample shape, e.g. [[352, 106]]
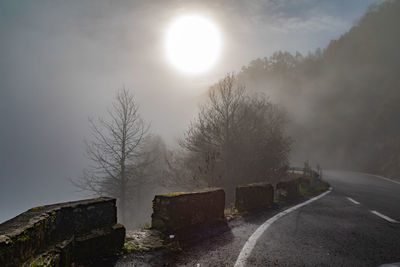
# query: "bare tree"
[[236, 138], [115, 151], [211, 136]]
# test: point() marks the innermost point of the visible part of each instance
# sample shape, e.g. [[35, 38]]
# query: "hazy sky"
[[61, 61]]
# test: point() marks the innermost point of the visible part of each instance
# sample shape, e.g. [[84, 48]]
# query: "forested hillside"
[[344, 100]]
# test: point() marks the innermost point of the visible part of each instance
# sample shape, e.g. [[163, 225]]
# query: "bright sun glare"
[[192, 44]]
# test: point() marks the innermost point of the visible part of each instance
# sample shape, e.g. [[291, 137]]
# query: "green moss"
[[130, 246], [252, 185], [231, 212], [39, 223], [37, 208], [306, 190], [173, 194], [47, 222], [100, 198], [147, 226], [127, 248], [24, 236], [117, 225], [44, 260], [303, 190], [202, 190], [53, 217], [322, 186]]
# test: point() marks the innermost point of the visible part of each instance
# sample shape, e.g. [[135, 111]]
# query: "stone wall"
[[61, 234], [175, 212], [253, 196], [288, 190]]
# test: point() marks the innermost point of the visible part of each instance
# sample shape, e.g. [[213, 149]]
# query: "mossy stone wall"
[[50, 228]]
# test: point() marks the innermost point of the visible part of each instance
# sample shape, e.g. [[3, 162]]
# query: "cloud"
[[310, 25]]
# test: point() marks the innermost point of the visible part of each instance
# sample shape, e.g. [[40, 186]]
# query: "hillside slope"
[[343, 101]]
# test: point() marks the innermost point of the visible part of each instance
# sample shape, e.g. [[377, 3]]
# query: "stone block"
[[99, 242], [174, 212], [288, 190], [40, 229], [254, 196]]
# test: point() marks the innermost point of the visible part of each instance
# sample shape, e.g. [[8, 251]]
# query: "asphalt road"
[[354, 225]]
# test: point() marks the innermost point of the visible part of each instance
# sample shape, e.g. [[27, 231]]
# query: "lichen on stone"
[[144, 240], [37, 208], [173, 194], [47, 259], [24, 236]]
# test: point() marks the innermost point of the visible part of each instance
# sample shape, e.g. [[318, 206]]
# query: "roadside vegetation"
[[311, 181]]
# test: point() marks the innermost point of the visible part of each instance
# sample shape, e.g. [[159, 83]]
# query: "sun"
[[193, 44]]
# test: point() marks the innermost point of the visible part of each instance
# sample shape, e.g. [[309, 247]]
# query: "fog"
[[343, 99], [62, 61]]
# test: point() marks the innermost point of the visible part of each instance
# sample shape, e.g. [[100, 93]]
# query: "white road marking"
[[251, 242], [383, 216], [354, 201], [381, 177]]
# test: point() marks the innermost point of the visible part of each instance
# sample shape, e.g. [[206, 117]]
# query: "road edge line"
[[378, 176], [387, 179], [252, 240]]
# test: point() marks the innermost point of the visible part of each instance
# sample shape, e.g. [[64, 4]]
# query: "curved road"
[[357, 224], [338, 229]]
